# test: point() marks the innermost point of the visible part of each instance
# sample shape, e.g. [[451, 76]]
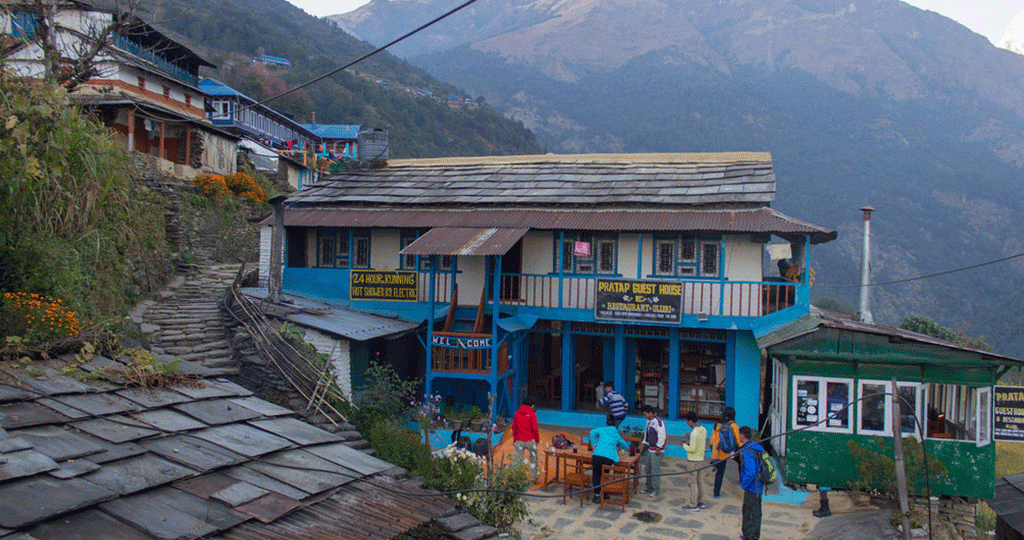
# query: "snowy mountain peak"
[[1013, 38]]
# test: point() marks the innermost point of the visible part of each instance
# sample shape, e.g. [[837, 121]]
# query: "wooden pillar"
[[131, 129], [188, 145], [163, 134]]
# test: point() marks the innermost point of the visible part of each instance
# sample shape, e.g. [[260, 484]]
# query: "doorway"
[[589, 371], [652, 374]]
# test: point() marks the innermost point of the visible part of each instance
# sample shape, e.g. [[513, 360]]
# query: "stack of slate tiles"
[[99, 459]]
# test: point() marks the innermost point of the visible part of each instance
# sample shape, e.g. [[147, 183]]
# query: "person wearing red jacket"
[[526, 434]]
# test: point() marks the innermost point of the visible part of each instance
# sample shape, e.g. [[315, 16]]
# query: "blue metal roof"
[[214, 87], [334, 131]]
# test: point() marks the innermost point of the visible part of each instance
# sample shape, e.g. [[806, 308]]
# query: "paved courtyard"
[[663, 518]]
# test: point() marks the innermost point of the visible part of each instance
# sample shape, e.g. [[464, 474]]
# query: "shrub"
[[243, 185], [395, 443], [385, 396], [37, 318], [877, 470], [504, 504], [212, 185], [455, 469]]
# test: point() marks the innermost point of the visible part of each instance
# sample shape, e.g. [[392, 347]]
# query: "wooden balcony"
[[728, 299], [466, 360]]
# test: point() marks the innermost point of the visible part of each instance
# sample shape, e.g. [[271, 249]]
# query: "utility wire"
[[926, 276], [365, 56]]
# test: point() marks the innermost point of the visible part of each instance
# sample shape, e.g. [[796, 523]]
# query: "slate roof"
[[645, 180], [98, 459], [1008, 503]]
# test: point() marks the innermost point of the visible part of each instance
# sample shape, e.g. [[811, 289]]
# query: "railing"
[[731, 298], [125, 44], [458, 360]]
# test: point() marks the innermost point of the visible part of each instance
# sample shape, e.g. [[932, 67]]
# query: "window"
[[142, 83], [606, 258], [960, 413], [582, 253], [332, 248], [876, 408], [686, 256], [188, 100], [408, 262], [361, 251], [822, 404], [167, 92]]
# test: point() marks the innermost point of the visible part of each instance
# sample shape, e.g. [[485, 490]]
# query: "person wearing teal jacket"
[[606, 441]]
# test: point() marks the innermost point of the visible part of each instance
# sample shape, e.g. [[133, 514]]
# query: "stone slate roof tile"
[[61, 444], [25, 414], [28, 501], [216, 411], [169, 421], [295, 430], [101, 460], [138, 473], [22, 463], [115, 429], [193, 452]]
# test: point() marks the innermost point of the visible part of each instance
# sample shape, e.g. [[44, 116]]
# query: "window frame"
[[920, 405], [580, 265], [690, 257], [822, 397], [361, 247], [983, 436]]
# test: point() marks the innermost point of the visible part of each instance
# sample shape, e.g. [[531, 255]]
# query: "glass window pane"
[[908, 408], [688, 250], [709, 260], [807, 402], [362, 253], [567, 255], [836, 401], [666, 258], [607, 256], [872, 417], [326, 251]]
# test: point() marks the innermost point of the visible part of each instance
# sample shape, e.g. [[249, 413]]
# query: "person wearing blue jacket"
[[606, 441], [753, 489]]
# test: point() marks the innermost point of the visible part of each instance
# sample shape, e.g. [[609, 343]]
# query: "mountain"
[[870, 102], [1013, 38], [424, 117]]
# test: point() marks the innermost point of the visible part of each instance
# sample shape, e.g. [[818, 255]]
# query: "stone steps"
[[185, 319]]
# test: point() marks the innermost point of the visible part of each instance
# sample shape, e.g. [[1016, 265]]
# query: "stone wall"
[[957, 514]]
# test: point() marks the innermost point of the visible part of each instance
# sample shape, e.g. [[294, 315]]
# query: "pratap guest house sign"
[[627, 300], [1009, 414]]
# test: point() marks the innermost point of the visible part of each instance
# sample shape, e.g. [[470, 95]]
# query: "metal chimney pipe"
[[864, 314]]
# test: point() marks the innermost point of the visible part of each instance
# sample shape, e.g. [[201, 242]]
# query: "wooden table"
[[564, 456]]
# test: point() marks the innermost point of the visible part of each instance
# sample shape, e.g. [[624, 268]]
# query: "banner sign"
[[1009, 414], [461, 342], [382, 285], [626, 300]]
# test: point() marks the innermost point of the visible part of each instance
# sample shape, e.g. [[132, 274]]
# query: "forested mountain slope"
[[871, 102], [380, 92]]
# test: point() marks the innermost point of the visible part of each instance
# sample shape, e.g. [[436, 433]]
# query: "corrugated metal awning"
[[753, 220], [465, 241]]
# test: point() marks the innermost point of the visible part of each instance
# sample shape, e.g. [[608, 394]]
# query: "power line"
[[926, 276], [365, 56]]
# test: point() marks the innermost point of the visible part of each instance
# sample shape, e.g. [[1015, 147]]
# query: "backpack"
[[766, 472], [726, 438], [560, 441]]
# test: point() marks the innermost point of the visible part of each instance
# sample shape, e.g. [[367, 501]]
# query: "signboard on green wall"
[[1009, 414], [628, 300], [383, 285]]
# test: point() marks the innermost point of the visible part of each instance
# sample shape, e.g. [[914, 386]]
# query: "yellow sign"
[[383, 285]]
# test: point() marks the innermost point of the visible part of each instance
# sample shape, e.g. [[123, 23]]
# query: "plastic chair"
[[615, 481]]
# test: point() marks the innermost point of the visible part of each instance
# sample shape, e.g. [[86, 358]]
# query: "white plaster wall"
[[384, 247], [742, 258], [266, 233], [470, 279], [537, 248], [628, 246], [337, 349]]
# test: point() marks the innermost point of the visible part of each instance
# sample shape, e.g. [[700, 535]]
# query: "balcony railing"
[[125, 44], [729, 299]]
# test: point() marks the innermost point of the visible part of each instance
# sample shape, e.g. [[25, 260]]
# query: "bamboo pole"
[[901, 472]]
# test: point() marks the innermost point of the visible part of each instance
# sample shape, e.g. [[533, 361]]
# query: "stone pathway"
[[186, 322], [663, 518]]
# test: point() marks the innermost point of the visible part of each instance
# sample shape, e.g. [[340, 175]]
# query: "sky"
[[986, 17]]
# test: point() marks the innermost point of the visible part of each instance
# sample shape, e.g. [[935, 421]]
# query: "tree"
[[72, 37], [928, 327]]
